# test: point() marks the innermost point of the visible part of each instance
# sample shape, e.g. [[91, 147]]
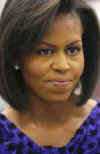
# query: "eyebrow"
[[54, 46]]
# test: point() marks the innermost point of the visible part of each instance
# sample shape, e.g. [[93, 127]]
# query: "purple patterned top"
[[85, 141]]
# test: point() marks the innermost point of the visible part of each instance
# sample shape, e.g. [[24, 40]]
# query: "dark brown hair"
[[23, 23]]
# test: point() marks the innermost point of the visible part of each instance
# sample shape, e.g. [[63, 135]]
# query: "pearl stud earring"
[[16, 67]]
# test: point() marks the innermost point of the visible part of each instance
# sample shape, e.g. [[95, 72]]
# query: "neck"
[[48, 114]]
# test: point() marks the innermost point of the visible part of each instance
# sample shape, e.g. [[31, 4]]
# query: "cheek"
[[34, 69], [80, 66]]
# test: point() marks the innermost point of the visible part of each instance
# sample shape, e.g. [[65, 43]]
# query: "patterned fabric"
[[85, 141]]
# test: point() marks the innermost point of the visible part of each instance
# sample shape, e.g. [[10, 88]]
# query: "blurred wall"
[[96, 5], [2, 2], [2, 102]]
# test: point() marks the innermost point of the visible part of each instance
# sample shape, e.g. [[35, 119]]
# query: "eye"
[[73, 50], [45, 51]]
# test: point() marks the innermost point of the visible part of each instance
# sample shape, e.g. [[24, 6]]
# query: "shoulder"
[[6, 126], [9, 113], [86, 110], [93, 110], [8, 133], [90, 105], [3, 130]]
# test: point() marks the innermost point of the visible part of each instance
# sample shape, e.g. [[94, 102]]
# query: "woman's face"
[[57, 63]]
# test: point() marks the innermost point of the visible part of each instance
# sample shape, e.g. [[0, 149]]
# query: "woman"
[[48, 70]]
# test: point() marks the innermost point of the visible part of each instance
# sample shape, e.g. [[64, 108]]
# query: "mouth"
[[60, 83]]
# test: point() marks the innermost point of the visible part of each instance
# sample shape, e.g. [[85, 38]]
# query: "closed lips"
[[60, 80]]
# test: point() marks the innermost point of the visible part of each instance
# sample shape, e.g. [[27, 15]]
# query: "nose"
[[61, 62]]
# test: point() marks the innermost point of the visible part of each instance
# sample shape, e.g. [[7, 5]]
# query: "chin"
[[59, 98]]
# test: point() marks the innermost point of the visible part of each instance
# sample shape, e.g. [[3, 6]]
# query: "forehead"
[[64, 25]]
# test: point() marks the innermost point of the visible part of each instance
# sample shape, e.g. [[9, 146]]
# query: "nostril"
[[61, 65]]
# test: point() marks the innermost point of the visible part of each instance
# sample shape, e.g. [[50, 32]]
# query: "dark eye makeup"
[[70, 51], [45, 51], [73, 50]]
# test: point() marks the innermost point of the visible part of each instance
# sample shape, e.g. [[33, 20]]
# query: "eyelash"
[[76, 50], [51, 51], [45, 51]]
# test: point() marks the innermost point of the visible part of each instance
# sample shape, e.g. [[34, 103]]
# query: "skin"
[[64, 36], [52, 110], [38, 68]]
